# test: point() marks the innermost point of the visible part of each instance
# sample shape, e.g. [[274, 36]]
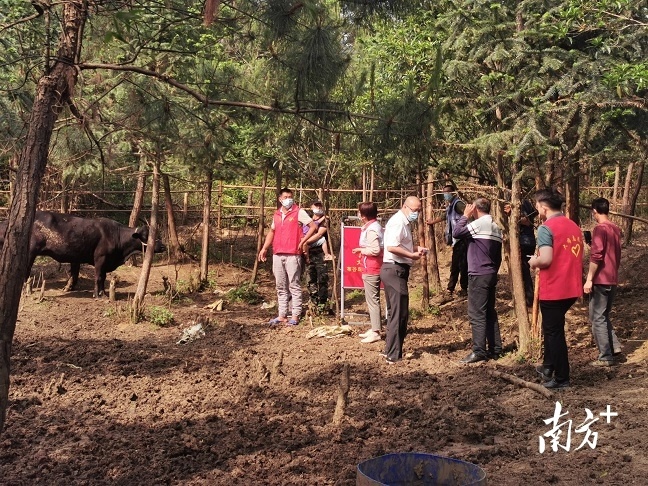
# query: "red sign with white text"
[[351, 264]]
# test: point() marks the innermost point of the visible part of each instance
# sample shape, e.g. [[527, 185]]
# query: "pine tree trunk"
[[204, 256], [421, 187], [632, 204], [137, 306], [53, 91], [625, 201], [615, 191], [572, 190], [173, 243], [65, 195], [433, 260], [138, 201], [515, 264], [261, 225]]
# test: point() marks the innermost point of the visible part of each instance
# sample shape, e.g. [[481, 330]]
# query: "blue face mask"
[[287, 203], [448, 196], [413, 216]]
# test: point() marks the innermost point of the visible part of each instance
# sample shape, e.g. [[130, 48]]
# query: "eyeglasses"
[[413, 210]]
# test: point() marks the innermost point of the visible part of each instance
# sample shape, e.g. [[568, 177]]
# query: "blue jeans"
[[599, 313]]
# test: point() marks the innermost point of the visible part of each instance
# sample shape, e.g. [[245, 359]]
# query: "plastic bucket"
[[414, 468]]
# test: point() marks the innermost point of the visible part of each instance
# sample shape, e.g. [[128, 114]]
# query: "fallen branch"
[[523, 383]]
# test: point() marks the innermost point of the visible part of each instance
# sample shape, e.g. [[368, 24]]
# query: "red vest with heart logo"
[[563, 279]]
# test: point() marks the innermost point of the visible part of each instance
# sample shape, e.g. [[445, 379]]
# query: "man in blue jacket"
[[458, 266]]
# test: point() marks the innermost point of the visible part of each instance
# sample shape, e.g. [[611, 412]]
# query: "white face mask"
[[287, 203], [318, 212], [413, 216]]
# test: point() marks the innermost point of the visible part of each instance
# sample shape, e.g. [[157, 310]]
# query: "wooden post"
[[220, 204]]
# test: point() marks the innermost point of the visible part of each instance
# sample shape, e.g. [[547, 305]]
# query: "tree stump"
[[343, 393]]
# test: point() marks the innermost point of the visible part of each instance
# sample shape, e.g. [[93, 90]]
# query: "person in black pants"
[[484, 239], [459, 263], [399, 255]]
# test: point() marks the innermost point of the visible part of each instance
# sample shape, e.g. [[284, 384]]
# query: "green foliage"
[[188, 286], [160, 316], [246, 293]]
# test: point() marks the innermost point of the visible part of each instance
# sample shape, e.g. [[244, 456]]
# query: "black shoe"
[[473, 358], [494, 355], [553, 384], [545, 372]]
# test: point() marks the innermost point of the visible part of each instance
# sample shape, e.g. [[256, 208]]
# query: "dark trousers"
[[317, 276], [553, 331], [459, 266], [526, 251], [394, 277], [482, 314]]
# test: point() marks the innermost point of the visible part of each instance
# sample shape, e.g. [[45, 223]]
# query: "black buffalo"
[[101, 242]]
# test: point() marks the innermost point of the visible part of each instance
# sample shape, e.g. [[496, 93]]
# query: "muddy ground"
[[98, 400]]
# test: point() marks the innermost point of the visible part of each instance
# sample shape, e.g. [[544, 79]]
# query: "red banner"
[[351, 264]]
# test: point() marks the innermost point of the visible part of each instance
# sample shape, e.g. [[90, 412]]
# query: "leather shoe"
[[494, 355], [545, 372], [553, 384], [473, 358]]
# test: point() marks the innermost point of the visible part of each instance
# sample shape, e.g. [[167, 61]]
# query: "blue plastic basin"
[[415, 468]]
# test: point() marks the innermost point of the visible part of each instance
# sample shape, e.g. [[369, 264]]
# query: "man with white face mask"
[[398, 256], [288, 243]]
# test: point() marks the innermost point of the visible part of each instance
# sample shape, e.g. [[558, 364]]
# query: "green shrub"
[[245, 293], [160, 316]]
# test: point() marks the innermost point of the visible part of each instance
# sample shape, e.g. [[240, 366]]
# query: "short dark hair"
[[551, 197], [368, 209], [317, 204], [601, 205], [483, 205], [284, 190], [450, 186]]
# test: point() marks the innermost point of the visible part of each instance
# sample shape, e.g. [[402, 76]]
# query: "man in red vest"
[[287, 240], [560, 260]]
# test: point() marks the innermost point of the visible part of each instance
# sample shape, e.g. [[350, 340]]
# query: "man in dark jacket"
[[484, 240], [459, 264]]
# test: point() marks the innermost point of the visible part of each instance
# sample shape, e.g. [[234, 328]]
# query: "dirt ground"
[[98, 400]]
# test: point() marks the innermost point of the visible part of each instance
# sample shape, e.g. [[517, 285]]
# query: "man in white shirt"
[[399, 255]]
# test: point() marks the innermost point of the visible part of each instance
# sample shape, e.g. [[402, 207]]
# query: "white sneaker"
[[372, 337], [366, 333]]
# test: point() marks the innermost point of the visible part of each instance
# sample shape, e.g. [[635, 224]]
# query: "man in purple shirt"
[[602, 280], [484, 258]]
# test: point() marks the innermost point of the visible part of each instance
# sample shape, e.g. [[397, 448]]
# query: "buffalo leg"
[[73, 277], [100, 278]]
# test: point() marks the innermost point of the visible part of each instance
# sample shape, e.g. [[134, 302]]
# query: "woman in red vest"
[[560, 260], [371, 254]]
